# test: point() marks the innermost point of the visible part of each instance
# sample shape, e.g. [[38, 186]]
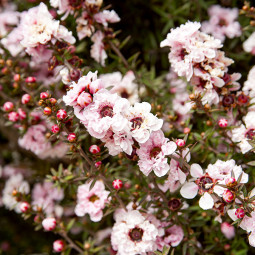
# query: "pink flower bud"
[[223, 123], [30, 79], [13, 116], [117, 184], [186, 130], [8, 106], [58, 245], [228, 230], [25, 99], [61, 114], [53, 101], [180, 142], [24, 207], [55, 129], [44, 95], [47, 111], [239, 213], [75, 74], [94, 149], [16, 77], [84, 99], [98, 164], [22, 114], [228, 196], [49, 224], [231, 181], [71, 137]]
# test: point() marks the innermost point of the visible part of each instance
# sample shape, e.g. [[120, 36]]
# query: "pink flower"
[[105, 113], [91, 201], [106, 17], [222, 23], [142, 122], [172, 237], [80, 94], [152, 154], [203, 184], [39, 27], [227, 230], [124, 86], [133, 234], [98, 49], [34, 139], [45, 196]]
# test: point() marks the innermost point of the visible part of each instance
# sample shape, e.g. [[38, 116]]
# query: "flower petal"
[[189, 190], [206, 201], [196, 170]]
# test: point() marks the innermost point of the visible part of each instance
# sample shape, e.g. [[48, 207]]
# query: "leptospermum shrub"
[[127, 127]]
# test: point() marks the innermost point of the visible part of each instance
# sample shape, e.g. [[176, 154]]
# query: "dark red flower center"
[[250, 133], [136, 234], [174, 204], [93, 198], [154, 152], [106, 111], [204, 183], [136, 122]]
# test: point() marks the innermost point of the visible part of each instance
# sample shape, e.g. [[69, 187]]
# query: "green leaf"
[[70, 224]]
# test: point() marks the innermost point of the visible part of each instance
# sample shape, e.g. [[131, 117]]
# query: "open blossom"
[[45, 196], [98, 49], [15, 182], [196, 56], [119, 141], [244, 133], [222, 23], [85, 23], [124, 86], [80, 94], [188, 46], [203, 184], [91, 201], [105, 113], [172, 237], [152, 154], [142, 122], [222, 171], [34, 139], [249, 44], [133, 234], [39, 27]]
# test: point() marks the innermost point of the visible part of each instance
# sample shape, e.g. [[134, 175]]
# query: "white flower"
[[15, 182], [142, 122], [133, 234], [203, 183]]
